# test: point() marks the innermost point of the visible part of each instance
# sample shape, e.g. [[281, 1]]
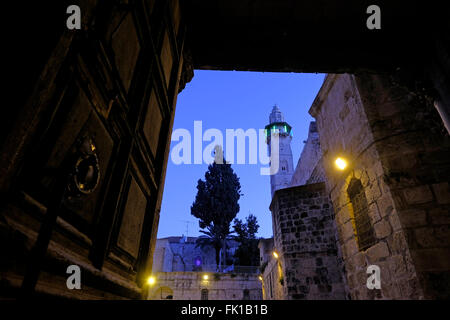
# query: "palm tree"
[[214, 239]]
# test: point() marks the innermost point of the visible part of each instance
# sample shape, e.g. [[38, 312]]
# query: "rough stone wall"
[[309, 158], [220, 286], [179, 254], [162, 257], [414, 150], [272, 284], [375, 132], [265, 247], [186, 253], [304, 234], [318, 174], [271, 271]]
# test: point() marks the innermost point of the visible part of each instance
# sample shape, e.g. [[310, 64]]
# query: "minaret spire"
[[282, 178]]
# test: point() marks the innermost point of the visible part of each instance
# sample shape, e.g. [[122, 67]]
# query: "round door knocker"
[[86, 176]]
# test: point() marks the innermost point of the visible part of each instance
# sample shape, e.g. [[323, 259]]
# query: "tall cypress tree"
[[216, 204]]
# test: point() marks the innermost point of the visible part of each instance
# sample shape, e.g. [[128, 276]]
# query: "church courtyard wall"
[[193, 286], [398, 158]]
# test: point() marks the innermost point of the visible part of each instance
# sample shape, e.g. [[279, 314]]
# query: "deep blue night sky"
[[232, 100]]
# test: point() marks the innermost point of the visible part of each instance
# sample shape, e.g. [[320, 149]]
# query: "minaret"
[[282, 178]]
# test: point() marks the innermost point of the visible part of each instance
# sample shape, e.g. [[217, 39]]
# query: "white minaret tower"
[[282, 178]]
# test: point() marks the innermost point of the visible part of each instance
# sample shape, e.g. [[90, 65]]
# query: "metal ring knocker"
[[86, 176]]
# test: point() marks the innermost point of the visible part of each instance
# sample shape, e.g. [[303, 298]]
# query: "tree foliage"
[[216, 204], [247, 253]]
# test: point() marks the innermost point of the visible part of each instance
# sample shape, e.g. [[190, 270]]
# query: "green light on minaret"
[[285, 128]]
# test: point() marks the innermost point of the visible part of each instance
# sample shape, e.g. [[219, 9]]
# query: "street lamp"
[[205, 277], [341, 163], [275, 254], [151, 280]]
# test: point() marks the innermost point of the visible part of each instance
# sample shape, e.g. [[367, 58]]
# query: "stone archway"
[[84, 84]]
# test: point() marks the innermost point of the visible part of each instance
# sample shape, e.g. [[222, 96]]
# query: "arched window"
[[284, 165], [204, 294], [364, 230]]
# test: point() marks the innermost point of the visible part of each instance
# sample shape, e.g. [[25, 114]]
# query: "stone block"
[[361, 277], [385, 205], [355, 263], [440, 216], [411, 270], [425, 259], [382, 229], [397, 242], [377, 252], [385, 271], [365, 179], [394, 221], [343, 199], [397, 266], [418, 195], [390, 291], [442, 192], [347, 231], [426, 238], [410, 289], [373, 193], [351, 280], [343, 215], [442, 233], [350, 248], [413, 218], [374, 215]]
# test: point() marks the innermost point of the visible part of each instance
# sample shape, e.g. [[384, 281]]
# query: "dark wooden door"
[[95, 146]]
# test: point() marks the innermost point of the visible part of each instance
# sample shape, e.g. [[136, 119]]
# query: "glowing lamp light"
[[260, 278], [275, 254], [151, 280], [340, 163], [205, 277]]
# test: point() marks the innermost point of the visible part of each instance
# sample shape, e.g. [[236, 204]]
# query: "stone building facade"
[[194, 286], [180, 268], [392, 202], [174, 254], [309, 263], [271, 272], [309, 165], [390, 205], [305, 240]]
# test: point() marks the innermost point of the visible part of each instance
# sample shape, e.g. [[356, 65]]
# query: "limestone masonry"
[[389, 207]]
